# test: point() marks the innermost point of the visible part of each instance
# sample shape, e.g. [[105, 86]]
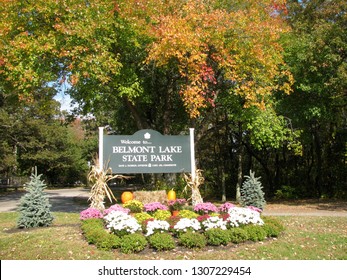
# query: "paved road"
[[62, 200], [75, 200], [315, 213]]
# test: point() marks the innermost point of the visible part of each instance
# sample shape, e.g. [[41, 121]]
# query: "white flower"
[[243, 216], [184, 224], [156, 224], [118, 220], [214, 222]]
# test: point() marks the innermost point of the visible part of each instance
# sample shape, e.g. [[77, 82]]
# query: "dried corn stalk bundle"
[[193, 183], [98, 178]]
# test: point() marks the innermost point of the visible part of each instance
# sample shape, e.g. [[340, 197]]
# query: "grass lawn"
[[305, 238]]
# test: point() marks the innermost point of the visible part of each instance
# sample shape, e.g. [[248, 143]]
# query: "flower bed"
[[157, 229]]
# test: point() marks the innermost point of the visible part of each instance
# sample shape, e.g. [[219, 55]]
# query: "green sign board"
[[147, 151]]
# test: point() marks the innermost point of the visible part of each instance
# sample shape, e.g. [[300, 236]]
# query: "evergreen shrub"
[[217, 236], [34, 208], [108, 242], [95, 233], [192, 240], [255, 232], [272, 227], [161, 241], [133, 243], [90, 224], [252, 193], [237, 235]]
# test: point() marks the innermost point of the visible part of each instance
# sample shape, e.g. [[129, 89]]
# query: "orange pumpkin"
[[171, 195], [126, 196]]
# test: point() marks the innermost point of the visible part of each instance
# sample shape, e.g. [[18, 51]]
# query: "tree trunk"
[[166, 117], [278, 164], [239, 163], [140, 122], [224, 197], [318, 151]]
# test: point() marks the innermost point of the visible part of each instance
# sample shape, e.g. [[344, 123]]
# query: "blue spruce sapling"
[[34, 206], [251, 192]]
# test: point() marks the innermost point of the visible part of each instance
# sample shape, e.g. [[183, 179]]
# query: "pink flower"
[[116, 207], [90, 213], [205, 207], [154, 206], [226, 206]]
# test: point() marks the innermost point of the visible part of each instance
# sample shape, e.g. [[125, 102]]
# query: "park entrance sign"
[[147, 151]]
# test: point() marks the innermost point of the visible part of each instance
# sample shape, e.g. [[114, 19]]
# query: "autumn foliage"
[[210, 43]]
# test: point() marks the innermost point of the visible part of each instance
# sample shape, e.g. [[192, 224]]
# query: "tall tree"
[[85, 42], [222, 51], [316, 53], [151, 60], [36, 135], [239, 41]]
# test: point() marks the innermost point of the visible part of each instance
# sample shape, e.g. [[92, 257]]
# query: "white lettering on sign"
[[133, 150], [170, 149], [161, 157], [134, 158], [146, 153], [130, 142]]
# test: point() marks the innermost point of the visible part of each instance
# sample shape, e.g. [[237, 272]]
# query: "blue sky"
[[65, 101], [63, 97]]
